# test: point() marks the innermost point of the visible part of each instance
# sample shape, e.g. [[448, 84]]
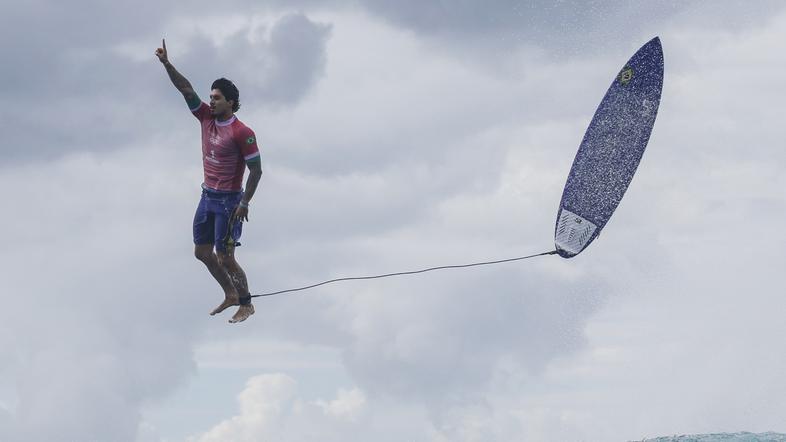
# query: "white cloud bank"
[[271, 408], [648, 334], [400, 157]]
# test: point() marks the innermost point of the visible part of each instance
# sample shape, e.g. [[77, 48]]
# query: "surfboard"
[[610, 151]]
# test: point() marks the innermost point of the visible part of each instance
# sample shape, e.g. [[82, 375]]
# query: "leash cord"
[[355, 278]]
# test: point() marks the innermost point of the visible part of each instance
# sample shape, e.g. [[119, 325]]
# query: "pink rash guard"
[[226, 147]]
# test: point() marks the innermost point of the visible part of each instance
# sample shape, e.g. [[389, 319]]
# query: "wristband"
[[243, 205]]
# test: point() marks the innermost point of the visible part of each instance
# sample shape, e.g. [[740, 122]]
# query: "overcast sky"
[[395, 135]]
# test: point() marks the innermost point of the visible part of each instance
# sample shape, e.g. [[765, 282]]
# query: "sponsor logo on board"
[[626, 75]]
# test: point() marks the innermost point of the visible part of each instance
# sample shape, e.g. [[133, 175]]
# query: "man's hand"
[[241, 213], [161, 53], [177, 78]]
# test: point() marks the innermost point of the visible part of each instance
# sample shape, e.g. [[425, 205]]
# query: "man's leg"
[[238, 277], [204, 239], [204, 253]]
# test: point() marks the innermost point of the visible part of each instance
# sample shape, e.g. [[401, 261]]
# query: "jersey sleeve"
[[201, 111], [247, 141]]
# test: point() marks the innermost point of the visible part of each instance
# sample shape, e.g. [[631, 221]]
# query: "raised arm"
[[180, 82]]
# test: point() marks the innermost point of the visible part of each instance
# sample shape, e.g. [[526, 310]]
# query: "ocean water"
[[722, 437]]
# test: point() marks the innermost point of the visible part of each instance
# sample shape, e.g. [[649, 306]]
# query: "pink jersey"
[[226, 147]]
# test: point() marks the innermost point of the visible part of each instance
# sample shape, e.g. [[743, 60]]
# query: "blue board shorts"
[[211, 220]]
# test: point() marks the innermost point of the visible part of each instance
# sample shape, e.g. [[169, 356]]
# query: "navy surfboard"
[[610, 151]]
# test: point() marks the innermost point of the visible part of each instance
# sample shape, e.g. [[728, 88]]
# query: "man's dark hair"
[[229, 91]]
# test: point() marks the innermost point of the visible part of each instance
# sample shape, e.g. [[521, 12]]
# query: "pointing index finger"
[[163, 42]]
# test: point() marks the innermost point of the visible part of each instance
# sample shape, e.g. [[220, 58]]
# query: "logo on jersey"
[[250, 140], [212, 157]]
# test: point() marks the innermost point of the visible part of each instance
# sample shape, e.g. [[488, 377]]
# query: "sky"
[[394, 136]]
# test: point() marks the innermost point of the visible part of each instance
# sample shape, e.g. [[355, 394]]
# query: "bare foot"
[[229, 301], [242, 313]]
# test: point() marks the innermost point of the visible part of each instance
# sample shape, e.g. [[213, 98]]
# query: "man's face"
[[218, 104]]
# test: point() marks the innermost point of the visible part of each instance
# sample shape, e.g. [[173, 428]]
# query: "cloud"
[[6, 421], [98, 95], [532, 351], [107, 328], [297, 50], [347, 405], [572, 28], [464, 186], [442, 344], [271, 409], [273, 65], [390, 152], [262, 404]]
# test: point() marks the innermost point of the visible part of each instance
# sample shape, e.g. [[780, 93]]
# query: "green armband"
[[194, 102]]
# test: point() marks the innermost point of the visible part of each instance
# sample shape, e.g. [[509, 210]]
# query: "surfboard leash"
[[355, 278]]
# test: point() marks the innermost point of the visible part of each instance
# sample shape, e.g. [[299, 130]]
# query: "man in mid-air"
[[228, 147]]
